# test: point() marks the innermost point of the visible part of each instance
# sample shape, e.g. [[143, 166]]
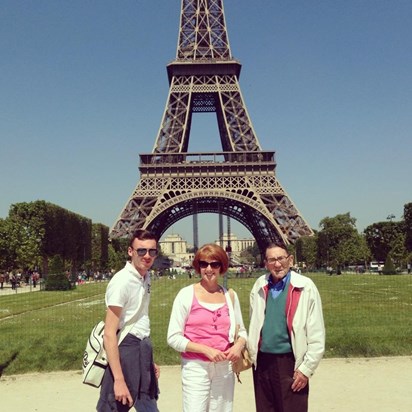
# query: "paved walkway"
[[339, 385], [7, 290]]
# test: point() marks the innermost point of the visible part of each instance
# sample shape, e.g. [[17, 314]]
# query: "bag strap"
[[127, 327], [236, 337], [232, 298]]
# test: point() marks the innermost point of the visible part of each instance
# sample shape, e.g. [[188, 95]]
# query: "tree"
[[339, 242], [100, 242], [8, 245], [384, 238], [42, 230], [117, 254], [407, 216], [307, 250], [27, 233], [251, 254]]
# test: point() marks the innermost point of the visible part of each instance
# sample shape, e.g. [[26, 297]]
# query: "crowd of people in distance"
[[16, 279]]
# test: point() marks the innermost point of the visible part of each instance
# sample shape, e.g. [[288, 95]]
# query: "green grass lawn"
[[365, 316]]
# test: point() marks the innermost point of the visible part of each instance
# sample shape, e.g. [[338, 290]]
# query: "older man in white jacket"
[[286, 334]]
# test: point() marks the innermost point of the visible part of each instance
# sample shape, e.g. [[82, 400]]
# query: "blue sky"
[[328, 86]]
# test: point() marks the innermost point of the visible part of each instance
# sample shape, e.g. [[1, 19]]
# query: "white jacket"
[[304, 318], [180, 312]]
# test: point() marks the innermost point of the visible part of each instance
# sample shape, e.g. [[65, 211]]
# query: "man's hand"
[[121, 393], [157, 370], [299, 381]]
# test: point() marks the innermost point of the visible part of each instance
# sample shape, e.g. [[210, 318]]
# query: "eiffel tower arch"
[[240, 181]]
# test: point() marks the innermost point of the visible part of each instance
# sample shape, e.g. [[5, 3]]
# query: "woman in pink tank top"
[[202, 327]]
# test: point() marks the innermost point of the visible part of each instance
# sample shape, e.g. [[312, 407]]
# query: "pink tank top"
[[208, 327]]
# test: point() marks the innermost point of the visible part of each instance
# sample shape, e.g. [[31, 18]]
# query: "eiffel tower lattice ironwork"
[[240, 181]]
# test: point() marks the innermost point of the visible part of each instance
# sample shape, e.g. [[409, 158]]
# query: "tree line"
[[338, 243], [35, 233]]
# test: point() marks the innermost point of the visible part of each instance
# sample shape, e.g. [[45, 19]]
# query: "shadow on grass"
[[6, 364]]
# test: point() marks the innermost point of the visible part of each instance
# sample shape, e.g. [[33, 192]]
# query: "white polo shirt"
[[130, 291]]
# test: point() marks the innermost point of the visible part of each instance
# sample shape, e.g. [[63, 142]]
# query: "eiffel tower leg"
[[195, 232]]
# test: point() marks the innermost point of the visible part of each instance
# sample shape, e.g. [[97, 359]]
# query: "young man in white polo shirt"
[[131, 378]]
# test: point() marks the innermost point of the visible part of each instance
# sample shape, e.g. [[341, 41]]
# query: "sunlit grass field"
[[365, 316]]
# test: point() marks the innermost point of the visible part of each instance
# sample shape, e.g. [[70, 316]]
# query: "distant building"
[[237, 245], [175, 247]]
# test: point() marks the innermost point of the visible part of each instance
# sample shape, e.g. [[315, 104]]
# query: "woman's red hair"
[[214, 252]]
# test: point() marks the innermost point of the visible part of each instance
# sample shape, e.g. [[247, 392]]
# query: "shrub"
[[389, 267], [57, 281]]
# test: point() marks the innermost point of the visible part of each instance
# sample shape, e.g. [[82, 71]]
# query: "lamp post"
[[39, 258]]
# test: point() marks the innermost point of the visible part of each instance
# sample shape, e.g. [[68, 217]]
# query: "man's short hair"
[[142, 234], [276, 244]]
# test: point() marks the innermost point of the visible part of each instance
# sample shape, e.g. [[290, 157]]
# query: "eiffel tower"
[[239, 182]]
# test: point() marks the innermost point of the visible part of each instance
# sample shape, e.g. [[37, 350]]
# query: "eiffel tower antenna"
[[238, 182]]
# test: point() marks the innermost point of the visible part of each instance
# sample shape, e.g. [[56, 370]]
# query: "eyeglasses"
[[280, 259], [143, 251], [214, 265]]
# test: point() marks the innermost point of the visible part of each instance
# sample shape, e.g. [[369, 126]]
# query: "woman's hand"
[[215, 355], [235, 351]]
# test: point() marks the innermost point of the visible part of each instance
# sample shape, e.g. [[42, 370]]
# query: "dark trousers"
[[136, 359], [272, 380]]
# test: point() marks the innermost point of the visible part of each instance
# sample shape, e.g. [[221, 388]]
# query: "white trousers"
[[207, 386]]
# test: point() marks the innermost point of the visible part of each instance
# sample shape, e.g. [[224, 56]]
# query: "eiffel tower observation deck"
[[238, 182]]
